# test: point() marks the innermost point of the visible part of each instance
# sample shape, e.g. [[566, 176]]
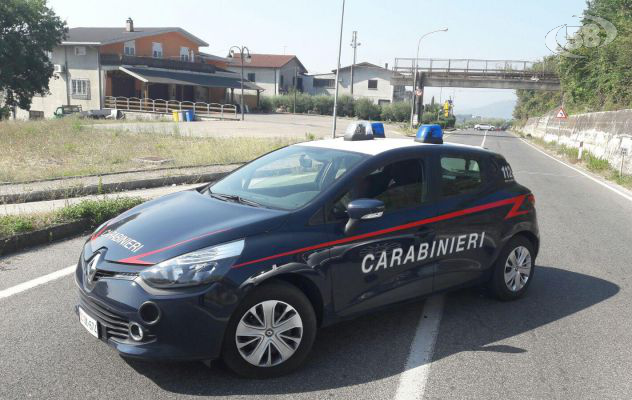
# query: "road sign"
[[561, 114], [419, 92]]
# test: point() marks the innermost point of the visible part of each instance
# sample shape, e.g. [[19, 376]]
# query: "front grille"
[[115, 326], [100, 274]]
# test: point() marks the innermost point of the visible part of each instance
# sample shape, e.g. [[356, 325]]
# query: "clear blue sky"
[[483, 29]]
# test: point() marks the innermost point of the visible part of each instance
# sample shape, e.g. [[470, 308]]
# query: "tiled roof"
[[101, 36], [267, 60]]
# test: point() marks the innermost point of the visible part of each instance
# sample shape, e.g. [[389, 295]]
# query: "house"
[[369, 81], [275, 73], [98, 67]]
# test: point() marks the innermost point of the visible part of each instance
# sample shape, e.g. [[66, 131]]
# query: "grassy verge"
[[95, 211], [49, 149], [588, 161]]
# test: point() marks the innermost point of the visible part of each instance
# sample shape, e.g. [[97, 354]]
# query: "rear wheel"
[[270, 333], [513, 270]]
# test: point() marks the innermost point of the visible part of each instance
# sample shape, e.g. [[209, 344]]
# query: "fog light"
[[149, 313], [136, 331]]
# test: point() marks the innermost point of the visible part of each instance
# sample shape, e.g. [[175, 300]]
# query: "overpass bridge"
[[471, 73]]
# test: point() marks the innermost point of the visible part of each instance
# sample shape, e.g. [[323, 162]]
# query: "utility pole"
[[342, 20], [354, 44]]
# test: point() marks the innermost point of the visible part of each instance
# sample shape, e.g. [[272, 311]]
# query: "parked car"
[[248, 268]]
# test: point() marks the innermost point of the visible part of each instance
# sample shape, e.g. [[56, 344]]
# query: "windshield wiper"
[[235, 198]]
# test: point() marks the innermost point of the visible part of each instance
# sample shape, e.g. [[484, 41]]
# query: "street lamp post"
[[231, 53], [413, 97]]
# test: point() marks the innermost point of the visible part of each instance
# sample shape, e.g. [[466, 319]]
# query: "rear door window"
[[460, 175]]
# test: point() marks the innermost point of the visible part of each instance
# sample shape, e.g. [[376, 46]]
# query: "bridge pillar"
[[420, 100]]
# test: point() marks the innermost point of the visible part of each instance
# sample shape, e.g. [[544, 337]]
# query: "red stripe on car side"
[[137, 259], [516, 201]]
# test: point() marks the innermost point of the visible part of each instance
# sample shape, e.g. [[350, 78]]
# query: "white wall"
[[79, 67], [361, 77], [264, 78]]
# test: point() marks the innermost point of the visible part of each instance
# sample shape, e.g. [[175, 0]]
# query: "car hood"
[[177, 224]]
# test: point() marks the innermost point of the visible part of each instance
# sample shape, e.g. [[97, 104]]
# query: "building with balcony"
[[96, 66]]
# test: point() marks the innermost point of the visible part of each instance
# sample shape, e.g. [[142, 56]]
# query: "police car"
[[248, 268]]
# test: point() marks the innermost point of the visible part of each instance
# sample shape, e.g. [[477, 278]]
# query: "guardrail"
[[159, 106], [475, 68]]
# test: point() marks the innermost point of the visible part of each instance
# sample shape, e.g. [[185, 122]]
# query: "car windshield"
[[286, 179]]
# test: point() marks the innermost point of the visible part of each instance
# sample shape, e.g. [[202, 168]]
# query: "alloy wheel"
[[269, 333], [517, 268]]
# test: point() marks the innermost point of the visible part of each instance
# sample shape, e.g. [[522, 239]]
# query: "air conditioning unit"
[[58, 68]]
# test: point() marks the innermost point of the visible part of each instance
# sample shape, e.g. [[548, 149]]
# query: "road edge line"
[[24, 286], [412, 383], [592, 178]]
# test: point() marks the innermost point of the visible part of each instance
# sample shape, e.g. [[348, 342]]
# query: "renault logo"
[[92, 267]]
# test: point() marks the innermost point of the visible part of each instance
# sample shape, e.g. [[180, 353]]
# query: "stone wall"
[[604, 134]]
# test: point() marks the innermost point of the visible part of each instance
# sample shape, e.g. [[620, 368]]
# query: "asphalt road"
[[568, 338]]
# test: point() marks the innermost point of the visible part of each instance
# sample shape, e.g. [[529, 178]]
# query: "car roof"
[[378, 146]]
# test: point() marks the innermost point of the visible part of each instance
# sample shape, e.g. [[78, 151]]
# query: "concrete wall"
[[78, 67], [604, 134]]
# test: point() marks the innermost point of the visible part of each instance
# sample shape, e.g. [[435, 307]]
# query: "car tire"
[[505, 282], [261, 340]]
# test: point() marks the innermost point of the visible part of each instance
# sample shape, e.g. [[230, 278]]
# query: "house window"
[[80, 89], [80, 50], [129, 48], [373, 84], [281, 80], [184, 53], [156, 50], [251, 76], [326, 83]]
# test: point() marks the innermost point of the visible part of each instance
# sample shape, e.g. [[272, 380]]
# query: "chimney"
[[129, 25], [385, 65]]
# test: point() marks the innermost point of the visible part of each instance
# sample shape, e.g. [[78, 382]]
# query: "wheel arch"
[[309, 289], [531, 237]]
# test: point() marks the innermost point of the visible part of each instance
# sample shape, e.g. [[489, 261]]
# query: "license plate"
[[89, 323]]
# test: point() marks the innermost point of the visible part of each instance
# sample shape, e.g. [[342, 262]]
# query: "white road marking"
[[36, 282], [412, 383], [484, 138], [625, 196]]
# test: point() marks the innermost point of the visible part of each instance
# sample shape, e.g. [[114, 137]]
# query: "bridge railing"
[[474, 67], [160, 106]]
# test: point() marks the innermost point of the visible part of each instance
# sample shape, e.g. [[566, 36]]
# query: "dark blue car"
[[247, 269]]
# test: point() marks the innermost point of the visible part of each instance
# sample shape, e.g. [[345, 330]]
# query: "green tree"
[[28, 31]]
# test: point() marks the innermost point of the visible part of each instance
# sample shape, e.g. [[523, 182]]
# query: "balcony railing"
[[119, 59], [159, 106]]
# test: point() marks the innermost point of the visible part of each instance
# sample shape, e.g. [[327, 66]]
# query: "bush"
[[98, 211], [266, 104], [366, 109], [398, 112], [323, 104], [346, 106]]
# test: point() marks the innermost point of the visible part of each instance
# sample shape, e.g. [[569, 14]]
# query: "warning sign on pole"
[[562, 114]]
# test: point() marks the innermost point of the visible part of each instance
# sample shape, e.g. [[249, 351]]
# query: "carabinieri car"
[[248, 268]]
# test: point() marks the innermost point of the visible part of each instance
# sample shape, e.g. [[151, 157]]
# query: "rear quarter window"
[[501, 170], [460, 175]]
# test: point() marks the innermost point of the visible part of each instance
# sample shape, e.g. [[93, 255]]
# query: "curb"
[[55, 194], [48, 235]]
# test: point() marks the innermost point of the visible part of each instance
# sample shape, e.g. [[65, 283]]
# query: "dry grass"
[[71, 147]]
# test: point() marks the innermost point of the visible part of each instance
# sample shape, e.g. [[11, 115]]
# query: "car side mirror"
[[362, 209]]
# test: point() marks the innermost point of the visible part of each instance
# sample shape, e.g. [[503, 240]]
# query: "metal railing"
[[159, 106], [473, 68]]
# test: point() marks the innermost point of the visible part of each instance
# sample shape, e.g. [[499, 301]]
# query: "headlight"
[[195, 268]]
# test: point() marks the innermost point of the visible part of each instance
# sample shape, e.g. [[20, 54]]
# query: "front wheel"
[[270, 333], [513, 270]]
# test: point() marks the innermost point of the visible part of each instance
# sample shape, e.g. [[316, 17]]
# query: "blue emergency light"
[[378, 130], [430, 134]]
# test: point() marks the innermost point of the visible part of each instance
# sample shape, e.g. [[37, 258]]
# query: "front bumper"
[[191, 324]]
